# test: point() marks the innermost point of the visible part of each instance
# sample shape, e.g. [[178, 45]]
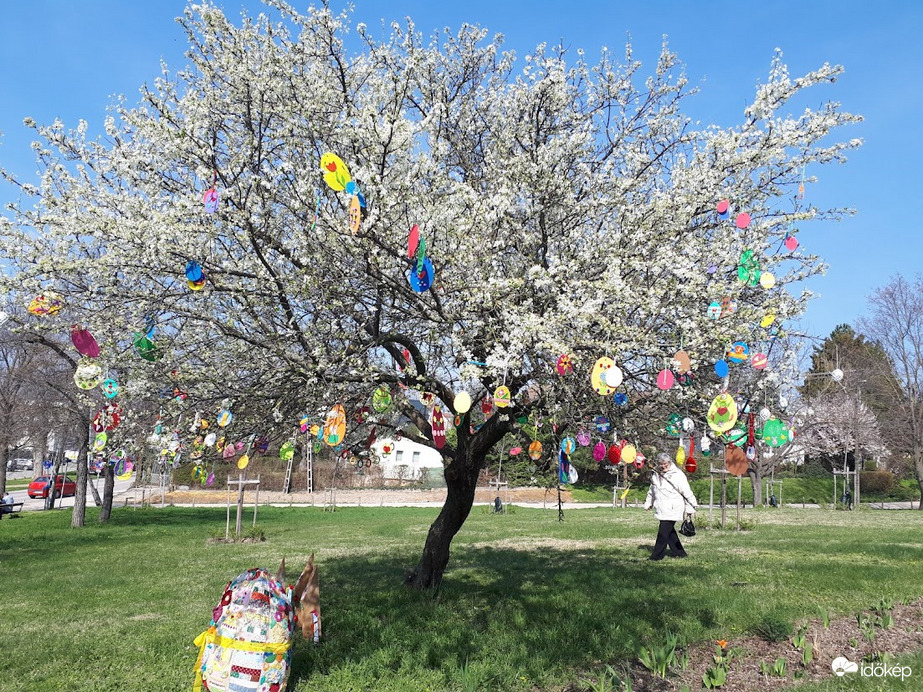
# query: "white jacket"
[[670, 495]]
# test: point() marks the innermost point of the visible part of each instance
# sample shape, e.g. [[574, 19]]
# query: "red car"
[[63, 486]]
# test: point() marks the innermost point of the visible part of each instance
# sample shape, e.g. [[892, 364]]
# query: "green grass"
[[528, 603]]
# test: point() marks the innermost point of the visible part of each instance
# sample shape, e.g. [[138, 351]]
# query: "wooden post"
[[711, 491], [227, 526], [240, 503], [740, 481], [724, 498], [256, 501]]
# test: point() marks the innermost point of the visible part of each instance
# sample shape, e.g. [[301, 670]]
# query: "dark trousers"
[[667, 538]]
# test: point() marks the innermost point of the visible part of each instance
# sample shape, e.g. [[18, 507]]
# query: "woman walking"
[[671, 497]]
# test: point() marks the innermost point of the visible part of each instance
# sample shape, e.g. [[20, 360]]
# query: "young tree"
[[567, 208], [895, 323]]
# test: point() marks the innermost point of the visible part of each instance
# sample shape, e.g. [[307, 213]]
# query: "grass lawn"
[[528, 603]]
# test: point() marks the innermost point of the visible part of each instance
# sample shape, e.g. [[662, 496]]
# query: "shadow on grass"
[[538, 612]]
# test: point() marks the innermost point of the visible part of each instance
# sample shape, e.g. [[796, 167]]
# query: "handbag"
[[687, 528]]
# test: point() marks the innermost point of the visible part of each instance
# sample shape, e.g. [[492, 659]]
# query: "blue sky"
[[69, 59]]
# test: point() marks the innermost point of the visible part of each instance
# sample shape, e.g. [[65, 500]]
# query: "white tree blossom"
[[567, 208]]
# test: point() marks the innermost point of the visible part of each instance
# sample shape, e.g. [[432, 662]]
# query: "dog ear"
[[309, 573], [280, 575]]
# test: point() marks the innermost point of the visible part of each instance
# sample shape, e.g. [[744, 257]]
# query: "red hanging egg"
[[615, 454], [690, 465]]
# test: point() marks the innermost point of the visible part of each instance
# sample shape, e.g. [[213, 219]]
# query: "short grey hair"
[[663, 458]]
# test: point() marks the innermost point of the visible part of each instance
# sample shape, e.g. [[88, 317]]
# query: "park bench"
[[11, 509]]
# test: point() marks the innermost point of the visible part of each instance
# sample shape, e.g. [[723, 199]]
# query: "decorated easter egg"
[[194, 271], [721, 368], [84, 342], [583, 437], [680, 455], [336, 174], [48, 303], [381, 399], [224, 418], [335, 426], [681, 362], [355, 214], [722, 414], [287, 450], [602, 424], [767, 320], [759, 361], [462, 402], [88, 374], [742, 220], [99, 442], [684, 379], [767, 280], [535, 450], [599, 451], [724, 208], [601, 366], [502, 396], [614, 455], [665, 379], [775, 433], [422, 280], [564, 365], [791, 242], [735, 460], [621, 399], [690, 465], [714, 310], [738, 352], [640, 459], [210, 440], [210, 199], [629, 453], [146, 348], [243, 461], [110, 388], [437, 422], [568, 445], [673, 425]]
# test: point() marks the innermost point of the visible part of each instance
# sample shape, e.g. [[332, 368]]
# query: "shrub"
[[876, 482], [773, 629]]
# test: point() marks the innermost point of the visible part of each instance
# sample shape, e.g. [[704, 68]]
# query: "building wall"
[[408, 460]]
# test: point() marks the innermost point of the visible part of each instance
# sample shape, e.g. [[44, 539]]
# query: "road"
[[38, 503]]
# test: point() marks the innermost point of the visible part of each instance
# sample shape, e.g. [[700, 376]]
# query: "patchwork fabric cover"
[[247, 648]]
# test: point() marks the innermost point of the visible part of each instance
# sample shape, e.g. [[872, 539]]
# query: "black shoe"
[[679, 554], [655, 558]]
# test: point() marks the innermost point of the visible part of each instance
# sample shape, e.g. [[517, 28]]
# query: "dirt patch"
[[842, 637], [370, 497]]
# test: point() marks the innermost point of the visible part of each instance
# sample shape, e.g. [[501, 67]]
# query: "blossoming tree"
[[561, 208]]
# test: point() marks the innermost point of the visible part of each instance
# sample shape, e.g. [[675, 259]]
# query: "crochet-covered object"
[[247, 648]]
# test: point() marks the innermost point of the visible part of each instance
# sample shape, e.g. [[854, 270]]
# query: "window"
[[416, 458], [399, 456]]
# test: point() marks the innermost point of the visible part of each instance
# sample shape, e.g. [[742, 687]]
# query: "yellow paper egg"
[[336, 174], [629, 454], [600, 367], [722, 414], [462, 402], [502, 396], [243, 461]]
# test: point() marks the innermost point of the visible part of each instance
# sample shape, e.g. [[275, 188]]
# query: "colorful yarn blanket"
[[247, 648]]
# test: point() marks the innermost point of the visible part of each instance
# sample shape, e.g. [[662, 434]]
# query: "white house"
[[408, 460]]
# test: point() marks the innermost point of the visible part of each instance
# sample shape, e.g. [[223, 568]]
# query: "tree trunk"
[[459, 500], [108, 487], [757, 481], [78, 518]]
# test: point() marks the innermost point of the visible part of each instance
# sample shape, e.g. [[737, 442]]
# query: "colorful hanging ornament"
[[599, 451], [564, 365], [681, 362], [335, 426], [602, 365], [602, 424], [583, 437], [502, 396], [614, 454], [748, 268], [535, 450], [84, 342], [110, 388], [336, 174], [759, 361], [742, 220], [724, 209], [47, 303], [629, 453], [665, 379], [88, 374], [462, 403], [381, 399], [568, 445], [437, 422], [210, 199], [613, 376], [738, 352], [722, 414]]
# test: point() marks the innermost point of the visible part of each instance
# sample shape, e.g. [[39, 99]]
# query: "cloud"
[[842, 665]]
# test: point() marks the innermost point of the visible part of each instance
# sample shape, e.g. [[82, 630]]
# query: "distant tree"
[[895, 323]]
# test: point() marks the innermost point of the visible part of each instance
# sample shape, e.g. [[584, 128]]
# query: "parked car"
[[64, 485], [19, 465]]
